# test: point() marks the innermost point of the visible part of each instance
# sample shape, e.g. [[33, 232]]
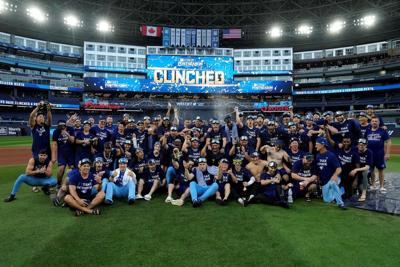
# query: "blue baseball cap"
[[322, 141], [123, 160]]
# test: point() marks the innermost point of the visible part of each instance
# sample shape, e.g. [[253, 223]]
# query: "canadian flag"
[[150, 31]]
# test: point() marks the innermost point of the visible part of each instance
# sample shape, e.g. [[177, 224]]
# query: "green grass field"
[[12, 141], [35, 233]]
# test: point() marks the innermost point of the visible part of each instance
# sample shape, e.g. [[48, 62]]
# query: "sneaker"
[[382, 190], [241, 201], [219, 201], [372, 188], [147, 197], [10, 198], [224, 202], [250, 198], [108, 202], [196, 203], [177, 202], [307, 198], [56, 202], [342, 207], [284, 204], [35, 189], [139, 196], [46, 190], [168, 199], [131, 201]]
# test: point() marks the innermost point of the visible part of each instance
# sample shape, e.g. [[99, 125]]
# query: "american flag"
[[231, 34]]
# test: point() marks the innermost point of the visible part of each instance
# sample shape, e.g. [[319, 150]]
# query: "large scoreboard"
[[190, 74]]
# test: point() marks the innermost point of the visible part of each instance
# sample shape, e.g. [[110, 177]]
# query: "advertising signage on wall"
[[189, 74]]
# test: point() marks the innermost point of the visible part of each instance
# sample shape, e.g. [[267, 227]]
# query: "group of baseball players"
[[246, 158]]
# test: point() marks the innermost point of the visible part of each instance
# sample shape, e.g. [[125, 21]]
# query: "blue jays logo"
[[40, 131]]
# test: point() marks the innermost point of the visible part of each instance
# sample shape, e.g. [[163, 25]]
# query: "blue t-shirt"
[[251, 133], [365, 158], [119, 139], [327, 164], [376, 139], [348, 159], [83, 186], [109, 160], [243, 175], [219, 135], [293, 157], [103, 136], [150, 176], [111, 128], [226, 178], [40, 138], [83, 150], [268, 138], [157, 159], [137, 165], [268, 190], [363, 130], [106, 173], [303, 171], [64, 146], [347, 127], [240, 152], [193, 155]]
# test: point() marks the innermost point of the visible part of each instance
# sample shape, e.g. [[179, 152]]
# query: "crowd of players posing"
[[247, 159]]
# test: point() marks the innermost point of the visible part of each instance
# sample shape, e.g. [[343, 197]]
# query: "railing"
[[36, 60], [40, 80]]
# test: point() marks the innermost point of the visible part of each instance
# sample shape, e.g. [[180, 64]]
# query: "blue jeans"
[[202, 192], [32, 181], [171, 173], [104, 183], [127, 190], [331, 191]]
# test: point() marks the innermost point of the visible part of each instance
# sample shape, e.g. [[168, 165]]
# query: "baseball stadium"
[[199, 133]]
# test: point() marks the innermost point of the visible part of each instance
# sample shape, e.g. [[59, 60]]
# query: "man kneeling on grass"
[[84, 192], [38, 173]]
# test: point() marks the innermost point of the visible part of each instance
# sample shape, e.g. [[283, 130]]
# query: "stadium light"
[[366, 21], [72, 21], [5, 6], [37, 14], [104, 26], [304, 29], [275, 32], [336, 26]]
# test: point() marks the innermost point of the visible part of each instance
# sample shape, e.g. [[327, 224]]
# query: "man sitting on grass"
[[38, 173], [203, 185], [83, 196], [122, 183]]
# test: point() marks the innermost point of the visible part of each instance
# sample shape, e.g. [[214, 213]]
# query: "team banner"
[[166, 36], [215, 38], [183, 37], [189, 74]]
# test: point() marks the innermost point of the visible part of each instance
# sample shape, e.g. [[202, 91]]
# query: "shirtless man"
[[256, 165], [277, 154]]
